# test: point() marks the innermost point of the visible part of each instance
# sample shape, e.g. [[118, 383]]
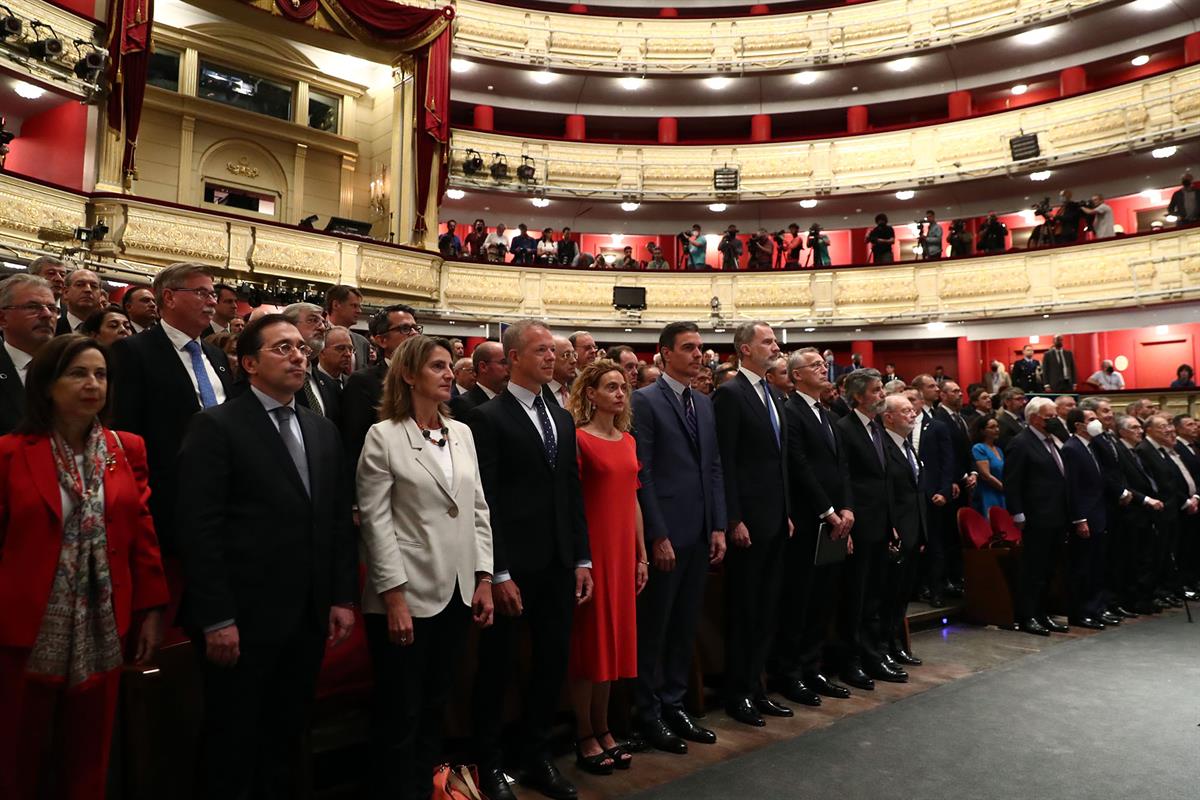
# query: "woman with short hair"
[[107, 325]]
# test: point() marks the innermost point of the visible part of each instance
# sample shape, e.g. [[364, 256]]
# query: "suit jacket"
[[12, 394], [755, 470], [1107, 453], [1191, 459], [1009, 428], [1058, 429], [960, 440], [1058, 370], [536, 508], [362, 350], [868, 481], [360, 407], [31, 534], [1178, 205], [419, 531], [1033, 484], [682, 491], [153, 396], [818, 473], [1027, 375], [839, 407], [63, 326], [256, 547], [1172, 488], [1136, 516], [331, 395], [1085, 477], [462, 406], [906, 495], [938, 462]]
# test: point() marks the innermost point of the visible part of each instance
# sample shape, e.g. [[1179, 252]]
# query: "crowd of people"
[[239, 471]]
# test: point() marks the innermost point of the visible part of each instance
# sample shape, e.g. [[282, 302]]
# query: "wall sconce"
[[379, 191]]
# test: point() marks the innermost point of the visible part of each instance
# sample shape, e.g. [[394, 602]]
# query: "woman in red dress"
[[604, 634]]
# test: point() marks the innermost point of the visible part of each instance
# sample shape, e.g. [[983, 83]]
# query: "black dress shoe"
[[882, 672], [1054, 627], [684, 727], [902, 656], [858, 679], [659, 736], [1089, 623], [937, 600], [743, 711], [1146, 608], [494, 785], [1034, 627], [1109, 618], [543, 776], [797, 692], [769, 708], [823, 686], [1122, 611]]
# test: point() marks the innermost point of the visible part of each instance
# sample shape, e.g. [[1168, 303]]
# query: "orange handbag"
[[455, 783]]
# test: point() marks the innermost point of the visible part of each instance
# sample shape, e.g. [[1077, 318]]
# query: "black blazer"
[[331, 396], [1009, 429], [64, 325], [536, 510], [1172, 488], [153, 396], [256, 548], [1033, 484], [906, 500], [1027, 375], [818, 474], [1086, 480], [12, 394], [1115, 486], [682, 490], [1190, 460], [868, 481], [938, 464], [1138, 481], [756, 476], [960, 441], [462, 406], [360, 408], [1053, 363]]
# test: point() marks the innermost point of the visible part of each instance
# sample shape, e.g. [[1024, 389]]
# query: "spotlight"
[[717, 82], [1036, 36], [460, 65], [539, 202], [1164, 152], [44, 49], [630, 205], [526, 171], [499, 167], [91, 66], [716, 208], [544, 78], [10, 26], [631, 83], [905, 194], [455, 194], [806, 78], [902, 64], [473, 162]]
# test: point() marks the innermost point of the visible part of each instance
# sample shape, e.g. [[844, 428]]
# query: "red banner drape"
[[131, 23], [433, 119]]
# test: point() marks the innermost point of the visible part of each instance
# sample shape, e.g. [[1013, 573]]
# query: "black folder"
[[829, 550]]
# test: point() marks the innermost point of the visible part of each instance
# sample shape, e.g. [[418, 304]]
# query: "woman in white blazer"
[[428, 550]]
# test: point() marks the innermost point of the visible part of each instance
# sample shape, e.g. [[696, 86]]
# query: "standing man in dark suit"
[[542, 564], [343, 305], [265, 537], [27, 314], [1058, 368], [320, 393], [491, 377], [1011, 416], [80, 298], [1118, 496], [360, 397], [1187, 431], [53, 270], [752, 433], [1036, 491], [1139, 520], [1027, 372], [1089, 522], [1180, 496], [866, 570], [966, 475], [165, 375], [819, 487], [682, 495], [931, 438], [907, 497]]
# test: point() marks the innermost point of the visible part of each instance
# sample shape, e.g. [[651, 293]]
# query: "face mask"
[[1109, 370], [994, 367], [1095, 428]]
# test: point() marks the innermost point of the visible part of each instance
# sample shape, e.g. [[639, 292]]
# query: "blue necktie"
[[689, 416], [208, 398], [770, 408], [549, 443]]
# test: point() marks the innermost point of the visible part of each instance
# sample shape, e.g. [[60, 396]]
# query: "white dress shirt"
[[1108, 381], [561, 392], [675, 385], [20, 361], [270, 404], [755, 381], [179, 340], [73, 321], [490, 394]]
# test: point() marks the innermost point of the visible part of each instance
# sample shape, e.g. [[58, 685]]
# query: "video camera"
[[1042, 208]]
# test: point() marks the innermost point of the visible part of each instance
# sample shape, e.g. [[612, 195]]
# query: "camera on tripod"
[[1042, 208], [958, 226]]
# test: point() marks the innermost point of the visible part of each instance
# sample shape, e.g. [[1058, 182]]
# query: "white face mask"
[[1095, 428]]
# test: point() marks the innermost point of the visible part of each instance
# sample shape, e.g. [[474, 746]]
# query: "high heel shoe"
[[621, 757], [599, 764]]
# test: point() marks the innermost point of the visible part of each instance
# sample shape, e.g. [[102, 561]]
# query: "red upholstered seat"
[[1003, 526], [973, 529]]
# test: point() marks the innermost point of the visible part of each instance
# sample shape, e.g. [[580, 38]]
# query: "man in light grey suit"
[[680, 464]]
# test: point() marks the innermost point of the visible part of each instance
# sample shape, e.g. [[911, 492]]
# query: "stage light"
[[460, 66], [1171, 218], [472, 162], [809, 330], [91, 66], [1140, 61], [936, 326], [1164, 152], [630, 205], [526, 171], [455, 194], [10, 26], [807, 78], [905, 194], [717, 208], [1153, 195], [808, 203], [44, 49], [902, 64], [717, 82], [1150, 5], [543, 78], [27, 90], [499, 167], [1043, 175], [1019, 89], [631, 83]]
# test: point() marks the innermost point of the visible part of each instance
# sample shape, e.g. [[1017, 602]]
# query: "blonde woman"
[[997, 380], [428, 553], [604, 634]]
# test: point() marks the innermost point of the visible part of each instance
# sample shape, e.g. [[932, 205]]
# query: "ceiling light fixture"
[[905, 194], [630, 205], [455, 194], [717, 208], [1164, 152], [28, 90], [539, 202], [544, 77], [1140, 61], [1036, 36], [1019, 89], [902, 64], [717, 82], [631, 82], [810, 203], [1153, 195], [807, 78], [1043, 175], [1150, 5], [461, 65], [936, 326]]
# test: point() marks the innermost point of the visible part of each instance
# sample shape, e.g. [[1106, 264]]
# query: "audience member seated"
[[1107, 378]]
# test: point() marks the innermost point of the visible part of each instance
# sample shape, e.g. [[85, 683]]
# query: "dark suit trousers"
[[1138, 549], [1039, 556], [548, 599], [862, 593], [806, 601], [412, 688], [901, 579], [1086, 559], [668, 611], [753, 578], [1166, 571], [1189, 549], [256, 717], [942, 558]]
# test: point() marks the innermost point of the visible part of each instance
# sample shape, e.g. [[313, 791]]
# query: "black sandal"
[[622, 758], [599, 764]]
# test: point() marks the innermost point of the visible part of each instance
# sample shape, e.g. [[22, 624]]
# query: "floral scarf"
[[78, 637]]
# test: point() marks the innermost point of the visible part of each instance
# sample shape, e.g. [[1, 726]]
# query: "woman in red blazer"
[[78, 559]]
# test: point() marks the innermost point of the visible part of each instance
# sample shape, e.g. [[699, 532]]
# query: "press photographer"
[[959, 239], [1070, 214], [881, 238], [818, 246], [762, 249], [790, 246], [730, 248], [695, 247], [929, 236], [992, 235]]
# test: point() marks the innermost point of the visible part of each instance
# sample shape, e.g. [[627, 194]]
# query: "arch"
[[243, 164]]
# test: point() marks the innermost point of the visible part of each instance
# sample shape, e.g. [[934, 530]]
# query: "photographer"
[[1101, 214], [627, 259], [449, 245], [523, 246], [695, 246], [475, 241], [547, 248], [818, 244], [1070, 214], [567, 249], [881, 238], [959, 239], [791, 246], [762, 249], [730, 248], [992, 235], [929, 236]]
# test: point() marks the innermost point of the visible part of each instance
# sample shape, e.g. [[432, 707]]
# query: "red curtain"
[[433, 119], [129, 59], [391, 22]]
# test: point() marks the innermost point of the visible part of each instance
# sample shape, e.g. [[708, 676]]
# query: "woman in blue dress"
[[989, 460]]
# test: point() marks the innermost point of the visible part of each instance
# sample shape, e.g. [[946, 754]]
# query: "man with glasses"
[[559, 389], [319, 393], [389, 328], [27, 313], [491, 376], [165, 376], [336, 360], [80, 298]]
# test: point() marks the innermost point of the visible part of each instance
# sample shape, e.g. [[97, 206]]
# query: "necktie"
[[912, 460], [1054, 453], [310, 395], [689, 416], [766, 393], [208, 398], [284, 416], [825, 427], [877, 440], [549, 443], [562, 396]]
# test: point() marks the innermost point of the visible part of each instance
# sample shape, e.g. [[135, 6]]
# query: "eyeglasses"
[[287, 348], [202, 293], [33, 308], [405, 329]]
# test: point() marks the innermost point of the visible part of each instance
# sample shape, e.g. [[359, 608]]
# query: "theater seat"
[[973, 529], [989, 573], [1003, 526]]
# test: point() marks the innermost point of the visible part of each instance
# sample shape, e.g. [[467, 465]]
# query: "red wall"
[[51, 144]]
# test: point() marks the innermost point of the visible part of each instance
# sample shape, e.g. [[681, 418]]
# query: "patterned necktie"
[[877, 440], [1054, 454], [826, 428], [310, 395], [208, 398], [284, 416], [912, 460], [549, 443], [689, 416], [770, 408]]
